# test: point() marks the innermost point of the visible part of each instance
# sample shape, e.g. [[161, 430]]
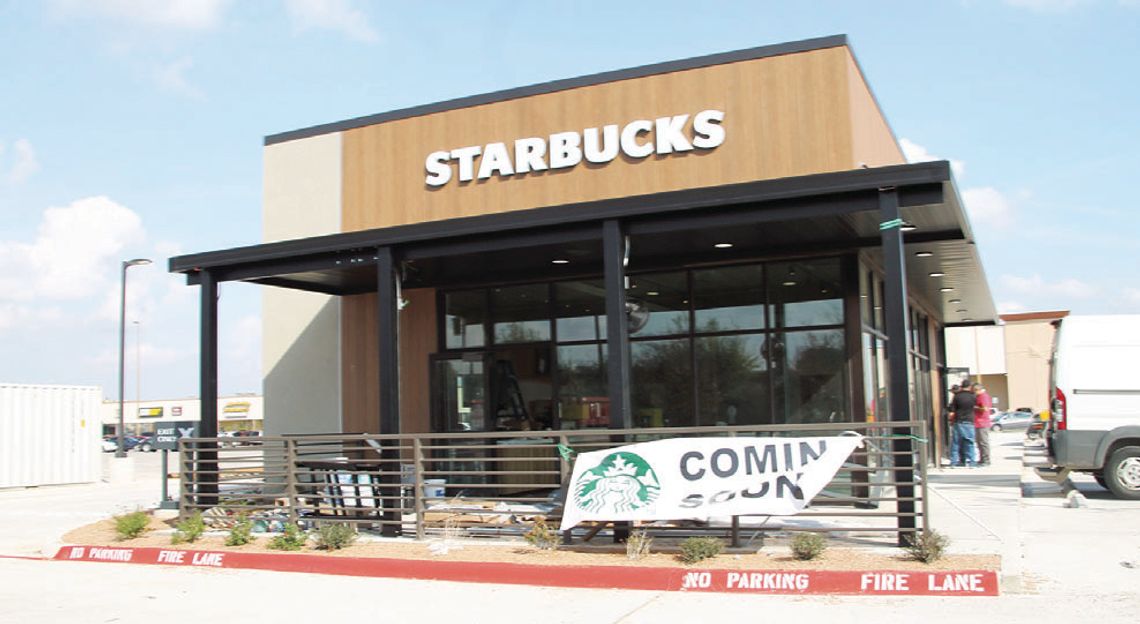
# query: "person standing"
[[962, 417], [982, 423]]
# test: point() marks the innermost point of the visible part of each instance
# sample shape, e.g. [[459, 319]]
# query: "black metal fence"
[[499, 484]]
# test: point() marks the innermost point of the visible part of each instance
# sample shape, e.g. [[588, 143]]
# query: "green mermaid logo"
[[622, 482]]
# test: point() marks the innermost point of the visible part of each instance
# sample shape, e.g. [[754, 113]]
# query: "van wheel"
[[1122, 473]]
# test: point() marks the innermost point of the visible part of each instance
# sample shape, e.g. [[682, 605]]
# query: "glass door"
[[460, 394]]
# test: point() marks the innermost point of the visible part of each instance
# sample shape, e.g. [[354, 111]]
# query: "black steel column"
[[387, 312], [208, 388], [388, 335], [617, 327], [617, 339], [896, 318]]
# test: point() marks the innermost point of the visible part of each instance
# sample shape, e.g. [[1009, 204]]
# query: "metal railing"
[[497, 484]]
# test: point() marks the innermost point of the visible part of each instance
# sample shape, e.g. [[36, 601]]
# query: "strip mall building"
[[729, 239]]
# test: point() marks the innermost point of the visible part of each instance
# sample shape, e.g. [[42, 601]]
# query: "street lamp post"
[[120, 449]]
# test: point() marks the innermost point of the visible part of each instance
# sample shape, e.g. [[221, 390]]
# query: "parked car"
[[1009, 421], [111, 443], [145, 443], [1094, 421], [242, 437]]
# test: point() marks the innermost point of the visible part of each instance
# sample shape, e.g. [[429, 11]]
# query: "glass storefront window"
[[583, 395], [870, 388], [465, 312], [732, 380], [805, 293], [882, 378], [809, 380], [661, 392], [521, 313], [580, 310], [877, 298], [729, 298], [665, 296], [866, 278]]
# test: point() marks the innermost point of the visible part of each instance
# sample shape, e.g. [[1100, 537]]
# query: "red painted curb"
[[799, 582]]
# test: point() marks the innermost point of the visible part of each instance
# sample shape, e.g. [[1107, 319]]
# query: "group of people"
[[969, 417]]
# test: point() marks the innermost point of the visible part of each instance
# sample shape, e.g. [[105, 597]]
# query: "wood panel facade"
[[789, 115], [359, 347]]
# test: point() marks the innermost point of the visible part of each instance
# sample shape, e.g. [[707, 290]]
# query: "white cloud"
[[177, 14], [1131, 296], [22, 164], [172, 77], [988, 207], [76, 251], [916, 153], [1036, 285], [336, 15]]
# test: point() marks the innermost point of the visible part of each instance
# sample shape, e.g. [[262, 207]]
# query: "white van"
[[1095, 390]]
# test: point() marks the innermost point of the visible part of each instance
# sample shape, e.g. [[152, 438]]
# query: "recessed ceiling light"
[[652, 293], [924, 254], [559, 261], [722, 245], [907, 226], [955, 301], [789, 283], [968, 320], [961, 311], [937, 274], [945, 289]]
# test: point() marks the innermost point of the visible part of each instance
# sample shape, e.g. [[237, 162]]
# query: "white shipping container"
[[49, 435]]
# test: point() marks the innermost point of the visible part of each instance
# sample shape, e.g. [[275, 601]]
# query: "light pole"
[[120, 450]]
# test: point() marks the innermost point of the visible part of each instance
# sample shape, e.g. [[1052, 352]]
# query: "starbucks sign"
[[697, 478]]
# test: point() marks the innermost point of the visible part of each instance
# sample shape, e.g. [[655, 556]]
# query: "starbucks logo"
[[621, 482]]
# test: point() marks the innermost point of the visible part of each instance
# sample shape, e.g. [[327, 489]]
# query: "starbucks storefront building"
[[725, 240]]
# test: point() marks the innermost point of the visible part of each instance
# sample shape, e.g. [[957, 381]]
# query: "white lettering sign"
[[638, 139], [698, 478]]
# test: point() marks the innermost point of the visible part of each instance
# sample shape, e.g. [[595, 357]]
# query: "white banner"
[[697, 478]]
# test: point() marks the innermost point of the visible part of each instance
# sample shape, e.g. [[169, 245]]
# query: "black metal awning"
[[830, 212]]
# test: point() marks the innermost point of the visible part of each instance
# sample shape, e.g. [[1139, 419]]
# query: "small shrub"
[[928, 546], [241, 533], [291, 538], [131, 525], [189, 530], [335, 536], [638, 544], [697, 549], [808, 546], [541, 535]]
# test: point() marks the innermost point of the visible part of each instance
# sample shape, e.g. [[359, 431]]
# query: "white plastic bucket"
[[433, 488]]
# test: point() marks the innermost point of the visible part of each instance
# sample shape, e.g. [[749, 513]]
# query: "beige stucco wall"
[[980, 349], [301, 330], [1028, 347]]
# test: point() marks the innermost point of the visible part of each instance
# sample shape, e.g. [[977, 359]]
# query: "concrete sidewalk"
[[34, 520], [979, 508], [1072, 538]]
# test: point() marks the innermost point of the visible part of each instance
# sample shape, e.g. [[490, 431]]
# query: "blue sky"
[[133, 128]]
